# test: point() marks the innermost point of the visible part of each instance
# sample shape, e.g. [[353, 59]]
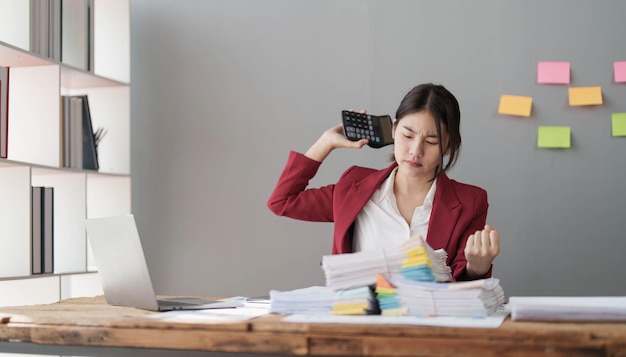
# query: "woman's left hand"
[[481, 249]]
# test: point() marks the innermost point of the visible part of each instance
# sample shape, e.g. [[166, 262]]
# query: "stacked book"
[[414, 260], [400, 296]]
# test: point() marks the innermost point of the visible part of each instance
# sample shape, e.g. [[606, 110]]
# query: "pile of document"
[[413, 260], [356, 301], [310, 301], [401, 296], [568, 308], [411, 279]]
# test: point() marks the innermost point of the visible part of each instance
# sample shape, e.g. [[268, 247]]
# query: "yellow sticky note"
[[552, 137], [585, 96], [618, 121], [515, 105]]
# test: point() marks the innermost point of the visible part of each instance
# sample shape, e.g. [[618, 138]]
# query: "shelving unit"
[[34, 153]]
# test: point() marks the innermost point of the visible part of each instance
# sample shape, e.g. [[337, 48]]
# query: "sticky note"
[[515, 105], [619, 68], [554, 137], [553, 72], [585, 96], [618, 124]]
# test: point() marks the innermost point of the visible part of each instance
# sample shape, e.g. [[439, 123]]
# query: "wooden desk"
[[91, 322]]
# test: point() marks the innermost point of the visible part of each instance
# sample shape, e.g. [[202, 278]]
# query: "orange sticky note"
[[515, 105], [619, 69], [383, 282], [585, 96], [553, 72]]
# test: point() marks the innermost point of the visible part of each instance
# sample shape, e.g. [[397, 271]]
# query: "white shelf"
[[14, 220], [31, 291], [34, 153], [100, 190], [15, 17], [112, 36], [34, 107], [79, 285], [70, 240]]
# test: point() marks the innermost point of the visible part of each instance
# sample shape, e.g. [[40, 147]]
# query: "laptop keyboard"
[[169, 303], [184, 302]]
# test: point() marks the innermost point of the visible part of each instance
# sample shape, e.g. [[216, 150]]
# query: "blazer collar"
[[371, 182], [445, 192], [353, 203]]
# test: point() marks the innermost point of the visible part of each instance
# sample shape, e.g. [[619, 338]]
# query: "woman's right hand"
[[335, 138], [331, 139]]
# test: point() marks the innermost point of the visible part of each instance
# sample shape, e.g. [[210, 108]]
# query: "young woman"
[[381, 208]]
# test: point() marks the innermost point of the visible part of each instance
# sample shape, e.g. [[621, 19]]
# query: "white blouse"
[[380, 224]]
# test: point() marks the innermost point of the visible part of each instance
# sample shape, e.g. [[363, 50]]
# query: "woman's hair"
[[443, 106]]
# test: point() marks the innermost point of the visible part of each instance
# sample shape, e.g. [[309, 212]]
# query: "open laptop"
[[123, 270]]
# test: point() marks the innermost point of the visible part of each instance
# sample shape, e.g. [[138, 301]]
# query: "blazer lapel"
[[445, 213], [357, 196]]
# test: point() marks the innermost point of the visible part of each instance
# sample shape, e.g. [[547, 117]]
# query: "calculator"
[[375, 128]]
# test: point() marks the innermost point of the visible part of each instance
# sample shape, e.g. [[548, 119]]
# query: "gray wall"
[[223, 89]]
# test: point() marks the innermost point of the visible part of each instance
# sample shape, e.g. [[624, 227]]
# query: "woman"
[[381, 208]]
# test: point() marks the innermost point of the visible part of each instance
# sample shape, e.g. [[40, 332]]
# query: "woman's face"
[[416, 145]]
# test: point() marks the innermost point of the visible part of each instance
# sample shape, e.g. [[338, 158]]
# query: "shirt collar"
[[430, 196], [386, 190]]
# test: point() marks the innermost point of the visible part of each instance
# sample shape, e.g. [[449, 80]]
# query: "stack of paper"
[[414, 260], [400, 296], [311, 300], [388, 301], [356, 301], [572, 308]]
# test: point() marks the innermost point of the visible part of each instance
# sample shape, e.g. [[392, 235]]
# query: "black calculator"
[[375, 128]]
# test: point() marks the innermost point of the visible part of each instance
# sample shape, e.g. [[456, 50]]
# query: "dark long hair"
[[443, 106]]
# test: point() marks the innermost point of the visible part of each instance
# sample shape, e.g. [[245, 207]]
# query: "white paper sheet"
[[492, 321], [211, 315], [568, 308]]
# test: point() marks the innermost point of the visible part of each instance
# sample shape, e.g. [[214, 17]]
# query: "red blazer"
[[458, 209]]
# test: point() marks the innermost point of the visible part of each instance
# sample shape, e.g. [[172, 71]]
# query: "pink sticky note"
[[553, 72], [620, 71]]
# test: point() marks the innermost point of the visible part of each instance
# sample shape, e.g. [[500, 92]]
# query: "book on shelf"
[[76, 132], [36, 229], [4, 111], [78, 142], [39, 26], [42, 229], [63, 31], [90, 150], [48, 230], [77, 33], [45, 28]]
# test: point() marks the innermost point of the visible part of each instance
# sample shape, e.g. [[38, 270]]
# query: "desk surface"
[[91, 322]]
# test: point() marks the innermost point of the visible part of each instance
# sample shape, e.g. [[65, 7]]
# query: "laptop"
[[123, 270]]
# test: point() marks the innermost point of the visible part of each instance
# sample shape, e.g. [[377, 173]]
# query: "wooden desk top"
[[91, 322]]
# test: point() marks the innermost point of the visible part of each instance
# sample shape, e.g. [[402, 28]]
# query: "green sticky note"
[[552, 137], [618, 124]]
